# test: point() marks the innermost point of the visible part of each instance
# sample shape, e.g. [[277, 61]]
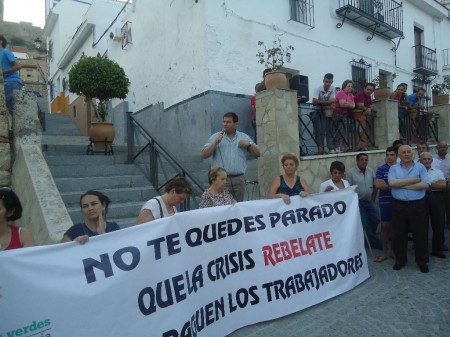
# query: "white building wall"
[[167, 60], [65, 18], [234, 27], [183, 48], [71, 18]]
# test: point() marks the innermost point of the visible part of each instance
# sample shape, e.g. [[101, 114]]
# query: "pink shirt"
[[342, 95]]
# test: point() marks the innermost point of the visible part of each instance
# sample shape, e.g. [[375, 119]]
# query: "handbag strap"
[[160, 208]]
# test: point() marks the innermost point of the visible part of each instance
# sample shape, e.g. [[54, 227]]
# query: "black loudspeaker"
[[300, 83]]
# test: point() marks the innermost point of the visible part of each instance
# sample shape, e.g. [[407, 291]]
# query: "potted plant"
[[441, 92], [273, 58], [382, 86], [99, 80]]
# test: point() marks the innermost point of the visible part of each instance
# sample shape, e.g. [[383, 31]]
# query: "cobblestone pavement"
[[390, 303]]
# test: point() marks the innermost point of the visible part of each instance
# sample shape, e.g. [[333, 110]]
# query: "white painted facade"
[[73, 28], [183, 48]]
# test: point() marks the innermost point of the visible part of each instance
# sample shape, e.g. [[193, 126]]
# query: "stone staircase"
[[75, 172]]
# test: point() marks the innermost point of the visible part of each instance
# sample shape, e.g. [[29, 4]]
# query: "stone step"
[[78, 169], [77, 146], [117, 196], [66, 159], [124, 222], [63, 125], [84, 184]]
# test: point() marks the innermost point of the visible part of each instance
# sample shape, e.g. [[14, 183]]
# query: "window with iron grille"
[[303, 11], [361, 74], [126, 34]]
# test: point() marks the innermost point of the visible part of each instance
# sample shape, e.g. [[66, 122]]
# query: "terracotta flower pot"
[[276, 80], [413, 113], [102, 134], [328, 112], [357, 114], [382, 93], [441, 99]]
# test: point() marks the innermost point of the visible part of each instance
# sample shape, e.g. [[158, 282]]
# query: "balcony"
[[381, 17], [426, 61]]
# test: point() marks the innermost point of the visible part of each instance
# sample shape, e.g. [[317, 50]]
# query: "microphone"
[[224, 130]]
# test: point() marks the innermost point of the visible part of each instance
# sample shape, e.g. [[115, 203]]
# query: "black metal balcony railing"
[[355, 134], [426, 61], [421, 128], [446, 57], [381, 17]]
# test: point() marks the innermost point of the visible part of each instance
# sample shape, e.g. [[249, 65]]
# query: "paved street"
[[390, 303]]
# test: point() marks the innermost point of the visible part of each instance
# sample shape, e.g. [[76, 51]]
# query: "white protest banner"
[[200, 273]]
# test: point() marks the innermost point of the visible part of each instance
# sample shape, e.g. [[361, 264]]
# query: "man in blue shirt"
[[10, 69], [409, 181], [415, 100], [228, 150], [385, 200]]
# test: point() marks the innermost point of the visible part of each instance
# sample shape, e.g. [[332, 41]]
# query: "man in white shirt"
[[435, 198], [441, 160]]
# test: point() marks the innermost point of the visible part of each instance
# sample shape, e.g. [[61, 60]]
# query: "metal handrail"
[[157, 150]]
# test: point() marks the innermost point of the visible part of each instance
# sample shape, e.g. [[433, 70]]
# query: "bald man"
[[409, 181]]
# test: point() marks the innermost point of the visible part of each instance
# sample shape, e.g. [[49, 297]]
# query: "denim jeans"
[[9, 91]]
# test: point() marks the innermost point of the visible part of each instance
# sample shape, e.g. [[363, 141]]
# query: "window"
[[126, 34], [361, 74], [303, 11], [29, 73]]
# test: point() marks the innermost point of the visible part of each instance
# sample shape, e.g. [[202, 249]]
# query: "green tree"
[[98, 78]]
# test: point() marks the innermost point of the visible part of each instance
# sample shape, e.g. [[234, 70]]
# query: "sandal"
[[381, 258]]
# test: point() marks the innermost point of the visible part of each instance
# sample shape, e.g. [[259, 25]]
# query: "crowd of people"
[[411, 195], [336, 112]]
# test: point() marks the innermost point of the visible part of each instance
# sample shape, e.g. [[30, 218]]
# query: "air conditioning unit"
[[118, 35]]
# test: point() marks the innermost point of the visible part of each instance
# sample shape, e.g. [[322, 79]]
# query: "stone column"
[[443, 120], [278, 133], [5, 147], [27, 127], [386, 123]]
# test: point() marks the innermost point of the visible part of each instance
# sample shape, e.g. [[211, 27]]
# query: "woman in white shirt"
[[337, 181], [177, 190]]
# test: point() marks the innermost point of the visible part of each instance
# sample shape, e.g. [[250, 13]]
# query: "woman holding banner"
[[93, 205], [337, 181], [217, 194], [177, 191], [11, 236], [288, 184]]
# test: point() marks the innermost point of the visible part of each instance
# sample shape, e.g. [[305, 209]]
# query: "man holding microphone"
[[228, 150]]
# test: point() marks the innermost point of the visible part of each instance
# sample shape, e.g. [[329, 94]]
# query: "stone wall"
[[277, 129], [5, 147], [44, 212]]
